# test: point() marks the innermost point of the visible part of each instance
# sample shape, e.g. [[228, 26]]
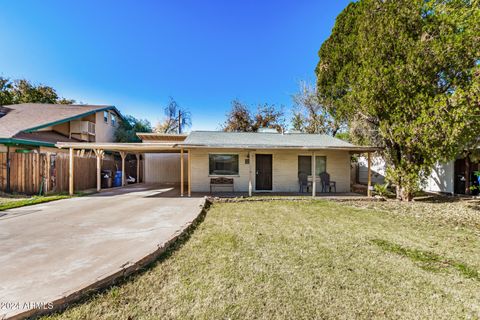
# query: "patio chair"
[[303, 182], [327, 184]]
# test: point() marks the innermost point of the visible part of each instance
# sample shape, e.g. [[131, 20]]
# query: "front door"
[[263, 167]]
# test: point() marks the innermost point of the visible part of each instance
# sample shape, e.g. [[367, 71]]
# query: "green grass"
[[304, 260], [10, 203]]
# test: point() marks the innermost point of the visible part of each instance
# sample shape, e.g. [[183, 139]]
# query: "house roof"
[[259, 140], [29, 117], [229, 140]]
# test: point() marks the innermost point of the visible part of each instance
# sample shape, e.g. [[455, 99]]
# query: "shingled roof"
[[31, 116], [258, 140]]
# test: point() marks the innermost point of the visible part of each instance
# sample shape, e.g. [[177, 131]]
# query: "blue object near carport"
[[117, 181]]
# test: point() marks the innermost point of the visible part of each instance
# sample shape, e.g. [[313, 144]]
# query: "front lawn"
[[16, 202], [305, 260]]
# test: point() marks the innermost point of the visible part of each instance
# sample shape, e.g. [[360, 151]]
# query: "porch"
[[251, 172]]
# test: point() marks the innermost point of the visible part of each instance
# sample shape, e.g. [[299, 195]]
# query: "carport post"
[[369, 185], [70, 172], [123, 154], [99, 154], [181, 173], [189, 173], [250, 171], [314, 175], [138, 167]]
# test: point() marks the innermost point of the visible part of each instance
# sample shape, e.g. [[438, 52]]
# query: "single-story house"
[[248, 162]]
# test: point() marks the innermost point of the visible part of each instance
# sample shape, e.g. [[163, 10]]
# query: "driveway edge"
[[107, 281]]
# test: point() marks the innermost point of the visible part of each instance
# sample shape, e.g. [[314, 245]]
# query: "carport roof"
[[127, 147]]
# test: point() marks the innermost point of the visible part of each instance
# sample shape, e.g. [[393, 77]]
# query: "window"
[[114, 119], [305, 165], [105, 116], [223, 164]]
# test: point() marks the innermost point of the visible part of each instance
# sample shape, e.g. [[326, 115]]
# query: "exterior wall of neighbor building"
[[105, 131], [441, 178], [285, 169], [63, 128], [378, 170]]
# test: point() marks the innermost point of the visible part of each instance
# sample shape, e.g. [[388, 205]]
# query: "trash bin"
[[107, 179], [117, 181]]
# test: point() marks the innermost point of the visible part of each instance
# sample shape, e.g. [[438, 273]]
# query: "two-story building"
[[35, 126], [30, 162]]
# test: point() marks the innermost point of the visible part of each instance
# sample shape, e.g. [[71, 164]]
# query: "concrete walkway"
[[54, 251]]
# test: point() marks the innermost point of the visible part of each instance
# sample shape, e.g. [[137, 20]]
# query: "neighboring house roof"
[[220, 139], [28, 117]]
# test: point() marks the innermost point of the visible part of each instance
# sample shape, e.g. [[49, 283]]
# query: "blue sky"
[[136, 54]]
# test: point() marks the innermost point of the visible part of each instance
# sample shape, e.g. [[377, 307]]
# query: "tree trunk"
[[398, 192], [403, 195], [467, 175]]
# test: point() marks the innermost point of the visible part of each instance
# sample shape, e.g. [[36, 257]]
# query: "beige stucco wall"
[[104, 132], [285, 169]]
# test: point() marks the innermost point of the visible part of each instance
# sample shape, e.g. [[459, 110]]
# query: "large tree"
[[23, 91], [176, 120], [129, 126], [405, 74], [269, 116], [241, 119], [310, 115]]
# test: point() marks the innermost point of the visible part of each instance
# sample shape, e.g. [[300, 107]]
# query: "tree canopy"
[[241, 119], [310, 115], [23, 91], [176, 120], [405, 75], [127, 129]]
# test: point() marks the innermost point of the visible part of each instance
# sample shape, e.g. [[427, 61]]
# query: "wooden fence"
[[32, 173]]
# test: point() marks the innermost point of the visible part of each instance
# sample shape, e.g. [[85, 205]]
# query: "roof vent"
[[267, 130]]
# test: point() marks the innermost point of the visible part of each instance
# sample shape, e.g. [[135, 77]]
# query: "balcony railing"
[[82, 127]]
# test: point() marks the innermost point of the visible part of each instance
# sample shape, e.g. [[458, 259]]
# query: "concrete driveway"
[[51, 251]]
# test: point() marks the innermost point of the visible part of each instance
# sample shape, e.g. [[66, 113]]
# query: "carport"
[[123, 149]]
